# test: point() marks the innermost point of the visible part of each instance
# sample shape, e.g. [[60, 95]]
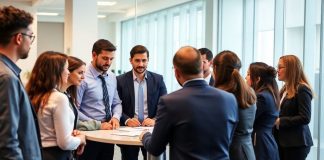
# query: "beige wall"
[[50, 36]]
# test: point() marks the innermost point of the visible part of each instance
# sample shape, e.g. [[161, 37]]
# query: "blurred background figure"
[[262, 78], [226, 66], [207, 59]]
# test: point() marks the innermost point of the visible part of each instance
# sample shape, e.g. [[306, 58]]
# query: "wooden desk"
[[110, 136], [107, 136]]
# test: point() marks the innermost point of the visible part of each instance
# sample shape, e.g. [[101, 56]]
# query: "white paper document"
[[131, 131]]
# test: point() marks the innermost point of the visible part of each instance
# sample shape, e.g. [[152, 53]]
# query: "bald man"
[[198, 120]]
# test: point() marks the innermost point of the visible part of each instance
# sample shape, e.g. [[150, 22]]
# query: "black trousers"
[[295, 153], [131, 152], [97, 151], [56, 153]]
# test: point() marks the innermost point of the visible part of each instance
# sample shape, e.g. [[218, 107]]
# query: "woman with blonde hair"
[[55, 116], [226, 66], [262, 78], [294, 136]]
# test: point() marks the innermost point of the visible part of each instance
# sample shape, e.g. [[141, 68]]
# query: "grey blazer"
[[18, 122]]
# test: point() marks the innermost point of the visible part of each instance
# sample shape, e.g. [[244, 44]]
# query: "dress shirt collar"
[[10, 64], [195, 79], [207, 79], [95, 73], [135, 78]]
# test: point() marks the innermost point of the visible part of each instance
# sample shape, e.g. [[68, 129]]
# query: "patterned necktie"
[[105, 98], [140, 102]]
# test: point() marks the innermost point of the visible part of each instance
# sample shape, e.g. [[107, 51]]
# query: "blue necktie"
[[140, 102], [105, 98]]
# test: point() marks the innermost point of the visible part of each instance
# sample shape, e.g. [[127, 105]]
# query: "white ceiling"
[[122, 10], [58, 5]]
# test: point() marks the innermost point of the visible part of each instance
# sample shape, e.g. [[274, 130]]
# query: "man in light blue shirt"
[[98, 98]]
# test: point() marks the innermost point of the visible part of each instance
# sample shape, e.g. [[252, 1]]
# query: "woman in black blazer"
[[262, 78], [294, 136]]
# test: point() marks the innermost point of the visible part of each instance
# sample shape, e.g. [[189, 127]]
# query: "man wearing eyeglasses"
[[19, 130]]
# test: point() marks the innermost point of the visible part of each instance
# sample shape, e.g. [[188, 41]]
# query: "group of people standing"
[[216, 115]]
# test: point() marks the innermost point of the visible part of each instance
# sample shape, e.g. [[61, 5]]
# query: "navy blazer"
[[295, 115], [265, 146], [197, 121], [125, 86]]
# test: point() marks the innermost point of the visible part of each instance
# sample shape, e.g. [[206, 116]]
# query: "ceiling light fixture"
[[101, 16], [106, 3], [47, 14]]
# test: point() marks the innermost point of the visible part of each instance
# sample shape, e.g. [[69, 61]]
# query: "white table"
[[119, 137]]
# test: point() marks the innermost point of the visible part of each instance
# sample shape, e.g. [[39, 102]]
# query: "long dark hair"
[[226, 66], [74, 63], [263, 77], [45, 76]]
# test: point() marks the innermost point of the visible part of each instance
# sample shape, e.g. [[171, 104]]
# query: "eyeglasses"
[[32, 37]]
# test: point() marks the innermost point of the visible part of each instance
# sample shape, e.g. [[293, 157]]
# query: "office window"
[[163, 33], [264, 26], [230, 31]]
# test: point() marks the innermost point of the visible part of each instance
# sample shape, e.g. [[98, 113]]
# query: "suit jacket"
[[295, 115], [211, 81], [19, 129], [197, 121], [265, 146], [155, 89]]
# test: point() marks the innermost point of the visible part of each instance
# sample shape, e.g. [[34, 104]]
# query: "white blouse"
[[56, 120]]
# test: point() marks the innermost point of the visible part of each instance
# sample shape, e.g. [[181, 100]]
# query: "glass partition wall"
[[257, 30]]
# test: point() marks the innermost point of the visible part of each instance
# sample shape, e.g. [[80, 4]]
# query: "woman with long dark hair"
[[226, 66], [262, 78], [55, 116]]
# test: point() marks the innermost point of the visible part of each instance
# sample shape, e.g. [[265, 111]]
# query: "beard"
[[22, 53], [103, 68], [140, 70]]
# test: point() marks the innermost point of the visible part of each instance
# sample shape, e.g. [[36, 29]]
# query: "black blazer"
[[125, 86], [197, 121], [211, 81], [295, 115]]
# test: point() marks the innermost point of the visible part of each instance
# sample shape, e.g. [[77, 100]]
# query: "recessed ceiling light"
[[47, 14], [101, 16], [106, 3]]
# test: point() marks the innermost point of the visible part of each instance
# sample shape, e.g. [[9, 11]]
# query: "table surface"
[[116, 136]]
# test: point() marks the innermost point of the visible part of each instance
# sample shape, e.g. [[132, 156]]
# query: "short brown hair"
[[139, 49], [11, 21], [103, 44]]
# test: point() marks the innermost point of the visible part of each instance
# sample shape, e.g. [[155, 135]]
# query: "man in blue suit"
[[140, 91], [198, 120], [207, 59]]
